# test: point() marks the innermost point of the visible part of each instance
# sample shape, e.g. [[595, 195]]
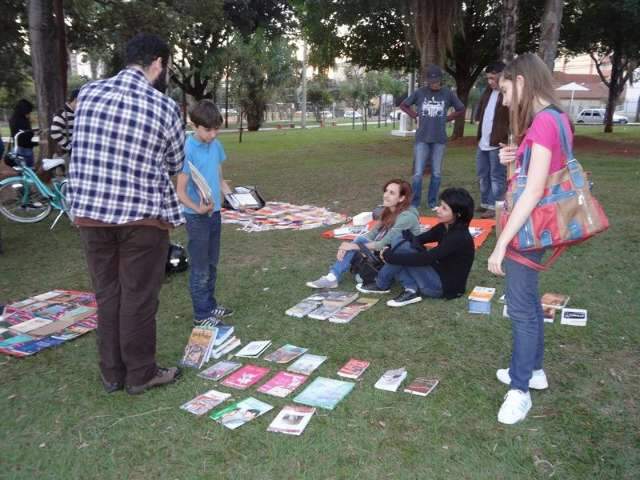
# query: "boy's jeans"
[[342, 266], [427, 154], [492, 177], [204, 250], [527, 321]]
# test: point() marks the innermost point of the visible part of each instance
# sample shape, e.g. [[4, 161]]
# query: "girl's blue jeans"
[[342, 266]]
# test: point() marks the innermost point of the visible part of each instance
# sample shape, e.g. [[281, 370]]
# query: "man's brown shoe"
[[163, 376]]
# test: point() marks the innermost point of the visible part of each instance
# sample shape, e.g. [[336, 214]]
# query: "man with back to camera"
[[493, 129], [432, 103], [127, 142]]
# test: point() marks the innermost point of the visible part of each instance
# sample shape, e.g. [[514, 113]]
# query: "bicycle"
[[24, 198]]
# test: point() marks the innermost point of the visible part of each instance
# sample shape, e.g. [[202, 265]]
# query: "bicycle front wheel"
[[23, 203]]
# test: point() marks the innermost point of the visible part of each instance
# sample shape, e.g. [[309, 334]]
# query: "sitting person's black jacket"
[[451, 258]]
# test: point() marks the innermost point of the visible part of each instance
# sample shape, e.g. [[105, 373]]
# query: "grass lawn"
[[58, 423]]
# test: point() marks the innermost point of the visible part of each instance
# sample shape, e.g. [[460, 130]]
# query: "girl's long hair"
[[538, 82], [388, 217]]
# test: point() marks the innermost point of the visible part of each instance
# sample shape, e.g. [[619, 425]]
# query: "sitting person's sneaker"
[[405, 298], [221, 312], [538, 379], [324, 282], [371, 288], [163, 376], [111, 387], [515, 407]]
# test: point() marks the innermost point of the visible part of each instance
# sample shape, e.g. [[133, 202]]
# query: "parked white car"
[[326, 114], [352, 114], [596, 116]]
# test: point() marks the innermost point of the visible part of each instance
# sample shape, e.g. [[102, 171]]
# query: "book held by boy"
[[576, 317], [306, 363], [324, 393], [292, 420], [391, 379], [353, 368], [203, 188], [480, 300], [285, 354], [220, 370], [239, 413], [422, 386], [205, 402], [282, 384], [254, 349]]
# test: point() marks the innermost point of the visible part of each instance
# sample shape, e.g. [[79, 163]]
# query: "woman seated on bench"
[[438, 272], [397, 215]]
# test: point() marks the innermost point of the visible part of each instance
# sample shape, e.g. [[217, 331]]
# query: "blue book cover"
[[324, 393]]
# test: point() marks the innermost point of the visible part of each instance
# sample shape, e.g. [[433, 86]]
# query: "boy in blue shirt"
[[204, 152]]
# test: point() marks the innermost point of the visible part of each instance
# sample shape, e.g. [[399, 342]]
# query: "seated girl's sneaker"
[[515, 407], [324, 282], [538, 379]]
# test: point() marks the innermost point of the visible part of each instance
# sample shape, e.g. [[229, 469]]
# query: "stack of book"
[[208, 342], [576, 317], [335, 306], [480, 300], [334, 300]]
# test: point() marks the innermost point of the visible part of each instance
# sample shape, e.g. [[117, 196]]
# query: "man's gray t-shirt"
[[432, 107]]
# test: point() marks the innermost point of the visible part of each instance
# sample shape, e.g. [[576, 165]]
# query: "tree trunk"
[[550, 31], [614, 89], [463, 88], [45, 59], [509, 30], [62, 44]]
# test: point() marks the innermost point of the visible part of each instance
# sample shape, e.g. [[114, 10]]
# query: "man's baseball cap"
[[434, 73]]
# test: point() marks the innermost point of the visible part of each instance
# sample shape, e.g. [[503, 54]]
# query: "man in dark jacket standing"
[[493, 129]]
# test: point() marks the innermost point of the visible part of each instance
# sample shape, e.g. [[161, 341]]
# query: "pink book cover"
[[282, 384], [245, 377], [353, 368]]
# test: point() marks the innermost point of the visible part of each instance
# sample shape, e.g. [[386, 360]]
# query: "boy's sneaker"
[[538, 379], [371, 288], [207, 322], [515, 407], [323, 282], [221, 312], [163, 376], [405, 298]]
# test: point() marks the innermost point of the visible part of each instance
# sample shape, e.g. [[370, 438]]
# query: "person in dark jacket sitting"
[[20, 121], [438, 272]]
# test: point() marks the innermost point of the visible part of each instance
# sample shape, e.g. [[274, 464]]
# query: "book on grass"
[[480, 300], [554, 300], [223, 334], [549, 314], [573, 316], [324, 312], [254, 349], [350, 311], [307, 363], [30, 325], [285, 354], [338, 299], [282, 384], [324, 393], [245, 377], [303, 308], [292, 420], [239, 413], [422, 386], [228, 346], [202, 187], [197, 350], [391, 379], [219, 370], [353, 368], [205, 402]]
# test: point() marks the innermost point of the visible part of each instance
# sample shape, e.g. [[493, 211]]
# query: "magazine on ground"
[[307, 363], [239, 413], [201, 185], [350, 311], [554, 300], [323, 312], [254, 349], [282, 384], [391, 380], [219, 370], [292, 420], [245, 377], [285, 354], [422, 386], [303, 308], [205, 402], [353, 368], [338, 299], [324, 393], [197, 350], [576, 317]]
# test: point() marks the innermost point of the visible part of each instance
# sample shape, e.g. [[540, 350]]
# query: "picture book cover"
[[223, 334], [245, 377], [254, 349], [554, 300], [195, 353], [350, 311], [482, 294], [391, 379], [324, 393], [219, 370], [302, 309], [353, 368], [307, 363], [52, 311], [323, 312], [292, 420], [239, 413], [205, 402], [282, 384], [422, 386], [16, 317], [285, 354]]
